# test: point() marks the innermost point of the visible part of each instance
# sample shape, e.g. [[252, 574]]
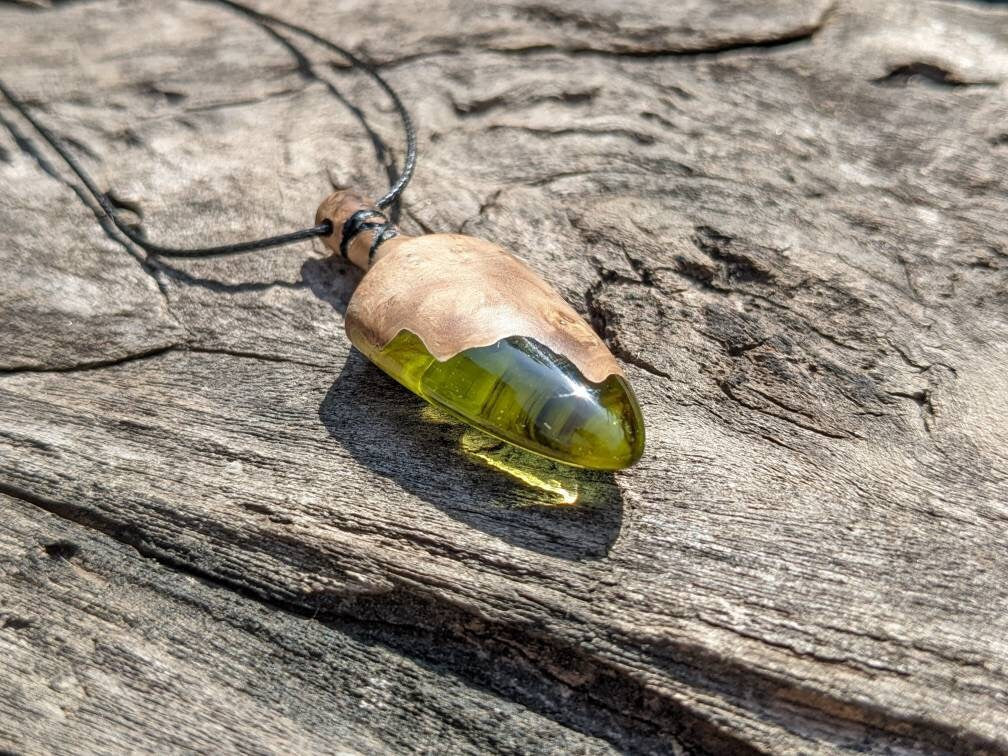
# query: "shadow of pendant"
[[444, 462]]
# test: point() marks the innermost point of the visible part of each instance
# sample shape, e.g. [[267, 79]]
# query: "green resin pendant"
[[473, 330], [523, 393]]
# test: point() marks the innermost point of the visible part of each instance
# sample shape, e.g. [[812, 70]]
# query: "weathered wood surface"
[[108, 650], [788, 220]]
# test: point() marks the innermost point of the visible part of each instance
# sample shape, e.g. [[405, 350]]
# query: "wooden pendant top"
[[457, 292]]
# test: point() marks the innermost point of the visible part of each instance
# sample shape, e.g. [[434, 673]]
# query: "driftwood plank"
[[788, 222]]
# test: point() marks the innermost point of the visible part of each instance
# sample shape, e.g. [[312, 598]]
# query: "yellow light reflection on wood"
[[515, 463]]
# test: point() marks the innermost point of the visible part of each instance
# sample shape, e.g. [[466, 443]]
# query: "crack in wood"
[[184, 347]]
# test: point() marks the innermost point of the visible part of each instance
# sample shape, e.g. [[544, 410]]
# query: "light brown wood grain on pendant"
[[456, 292]]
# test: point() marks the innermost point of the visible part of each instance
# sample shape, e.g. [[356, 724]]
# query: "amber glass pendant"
[[473, 330]]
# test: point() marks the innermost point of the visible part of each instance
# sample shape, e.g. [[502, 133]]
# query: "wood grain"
[[110, 651], [788, 223]]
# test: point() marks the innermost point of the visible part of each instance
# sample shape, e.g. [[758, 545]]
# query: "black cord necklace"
[[455, 319], [324, 228]]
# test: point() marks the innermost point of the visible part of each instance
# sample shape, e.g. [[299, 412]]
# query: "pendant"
[[475, 331]]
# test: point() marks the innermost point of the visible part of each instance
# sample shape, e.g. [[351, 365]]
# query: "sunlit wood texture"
[[787, 220]]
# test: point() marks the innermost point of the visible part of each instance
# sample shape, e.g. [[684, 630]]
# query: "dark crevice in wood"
[[124, 203], [738, 267], [246, 101], [14, 623], [729, 389], [479, 107], [921, 398], [627, 356], [61, 549], [637, 137], [926, 73], [645, 273], [598, 316], [152, 89], [254, 356], [388, 63], [93, 364], [845, 661], [140, 356], [411, 214], [786, 40], [44, 5], [920, 367], [923, 401], [157, 352]]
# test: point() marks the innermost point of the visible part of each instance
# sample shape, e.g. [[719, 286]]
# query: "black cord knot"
[[361, 221]]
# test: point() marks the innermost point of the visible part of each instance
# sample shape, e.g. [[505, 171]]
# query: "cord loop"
[[360, 221]]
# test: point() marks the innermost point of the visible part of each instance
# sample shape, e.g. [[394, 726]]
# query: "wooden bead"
[[337, 209]]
